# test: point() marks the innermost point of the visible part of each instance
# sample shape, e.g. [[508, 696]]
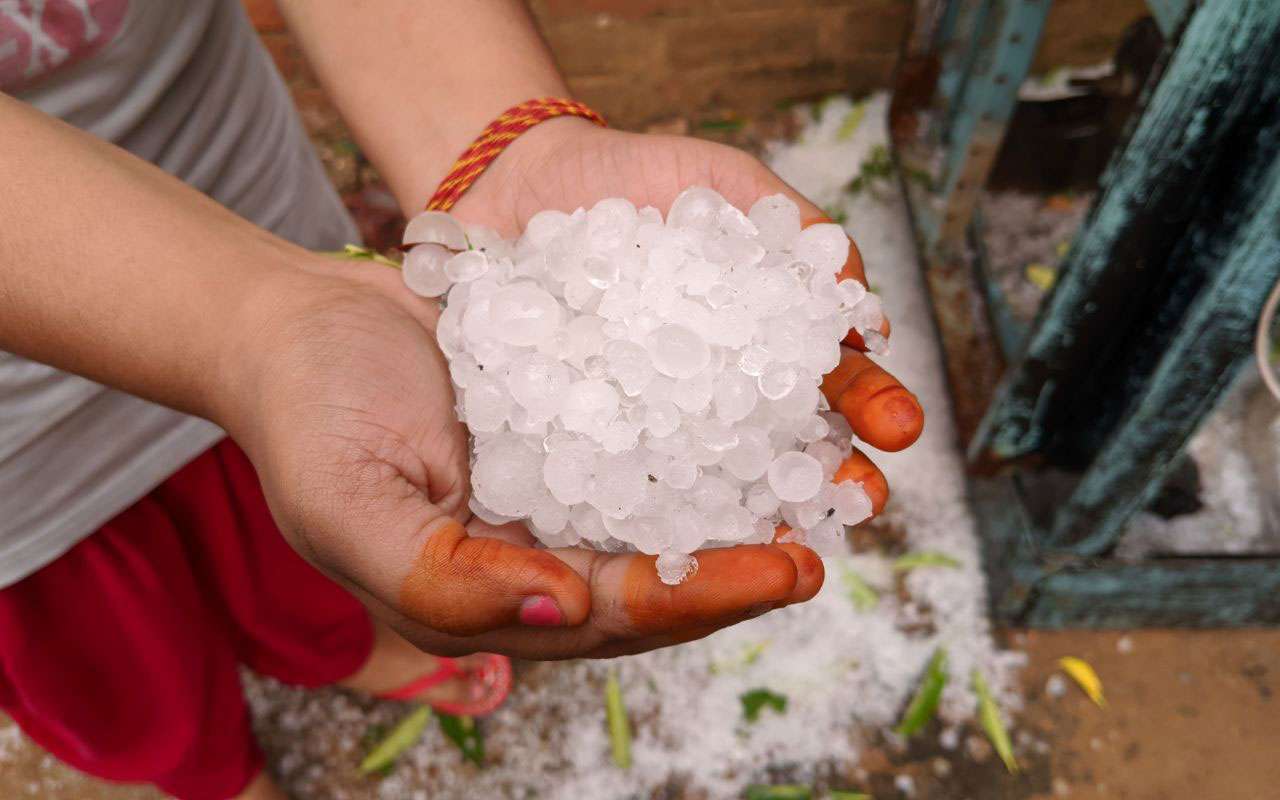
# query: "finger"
[[860, 469], [880, 409], [463, 585], [810, 573], [632, 611], [629, 600]]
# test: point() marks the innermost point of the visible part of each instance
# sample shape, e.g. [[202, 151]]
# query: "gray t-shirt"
[[186, 85]]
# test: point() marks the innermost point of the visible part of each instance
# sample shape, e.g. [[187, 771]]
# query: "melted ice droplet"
[[675, 568]]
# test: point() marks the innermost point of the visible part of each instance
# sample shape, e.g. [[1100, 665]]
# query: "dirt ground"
[[1189, 714]]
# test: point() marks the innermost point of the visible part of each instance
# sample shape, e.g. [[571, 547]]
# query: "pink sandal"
[[490, 685]]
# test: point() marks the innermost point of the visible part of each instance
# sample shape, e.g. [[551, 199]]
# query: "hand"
[[365, 464], [347, 412]]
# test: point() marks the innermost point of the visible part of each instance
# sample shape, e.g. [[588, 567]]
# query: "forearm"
[[416, 81], [112, 269]]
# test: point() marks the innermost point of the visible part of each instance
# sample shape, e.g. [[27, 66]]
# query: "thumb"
[[409, 555], [464, 585]]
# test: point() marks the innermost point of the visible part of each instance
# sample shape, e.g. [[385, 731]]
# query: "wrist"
[[494, 199], [260, 322]]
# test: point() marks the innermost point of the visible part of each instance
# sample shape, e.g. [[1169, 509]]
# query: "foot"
[[394, 663], [262, 788]]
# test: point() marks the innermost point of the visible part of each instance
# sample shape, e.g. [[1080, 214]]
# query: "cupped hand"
[[348, 415]]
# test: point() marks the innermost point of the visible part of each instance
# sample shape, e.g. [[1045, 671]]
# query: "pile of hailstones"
[[639, 384]]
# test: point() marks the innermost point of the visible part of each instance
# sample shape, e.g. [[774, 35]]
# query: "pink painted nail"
[[540, 610]]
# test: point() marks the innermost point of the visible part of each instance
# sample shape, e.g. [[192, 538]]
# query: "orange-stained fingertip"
[[465, 585], [880, 409], [810, 573], [889, 420]]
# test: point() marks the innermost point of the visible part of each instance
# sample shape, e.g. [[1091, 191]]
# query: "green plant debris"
[[861, 594], [878, 166], [836, 794], [756, 700], [851, 121], [730, 125], [817, 109], [750, 654], [403, 736], [354, 252], [925, 704], [619, 726], [836, 215], [464, 733], [924, 558], [778, 792], [989, 717]]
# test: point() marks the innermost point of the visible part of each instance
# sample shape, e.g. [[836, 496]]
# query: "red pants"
[[120, 658]]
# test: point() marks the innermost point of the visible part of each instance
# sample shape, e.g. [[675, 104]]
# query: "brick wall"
[[642, 61]]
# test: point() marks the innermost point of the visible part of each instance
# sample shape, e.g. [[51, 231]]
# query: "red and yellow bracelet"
[[495, 138]]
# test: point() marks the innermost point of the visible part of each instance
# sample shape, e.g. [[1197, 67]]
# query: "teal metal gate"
[[1153, 313]]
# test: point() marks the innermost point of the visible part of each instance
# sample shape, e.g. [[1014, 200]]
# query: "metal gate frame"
[[1152, 315]]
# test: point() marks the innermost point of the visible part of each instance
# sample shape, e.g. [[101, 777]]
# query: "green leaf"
[[852, 121], [619, 727], [354, 252], [924, 558], [755, 701], [778, 792], [864, 597], [925, 704], [463, 732], [989, 717], [402, 737]]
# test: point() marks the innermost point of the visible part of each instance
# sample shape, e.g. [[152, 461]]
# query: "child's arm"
[[112, 269], [417, 80]]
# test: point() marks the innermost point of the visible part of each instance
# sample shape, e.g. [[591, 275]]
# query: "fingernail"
[[540, 610]]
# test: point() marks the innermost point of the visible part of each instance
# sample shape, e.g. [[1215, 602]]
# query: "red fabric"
[[120, 658]]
